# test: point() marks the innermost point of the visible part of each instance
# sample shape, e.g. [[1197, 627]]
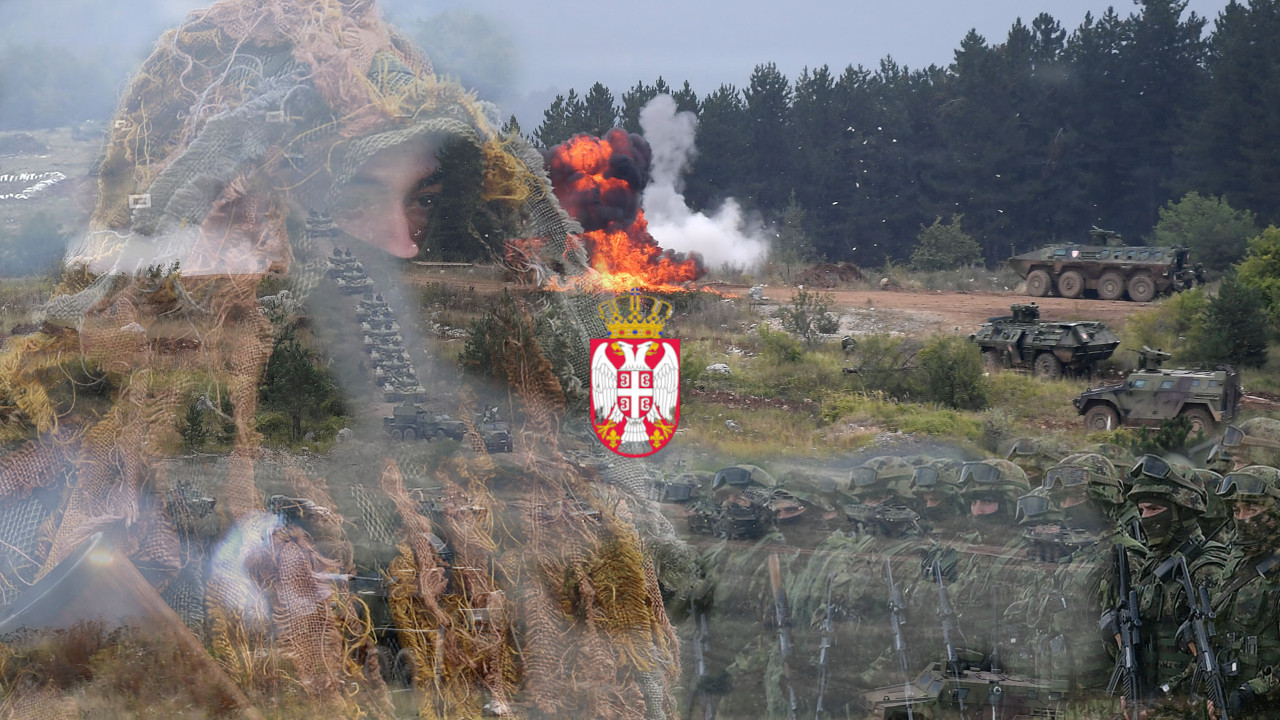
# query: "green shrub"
[[779, 347], [942, 247], [809, 316], [953, 373], [887, 364], [1216, 233], [1235, 326]]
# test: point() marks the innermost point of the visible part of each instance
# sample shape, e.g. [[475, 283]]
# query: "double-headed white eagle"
[[604, 384]]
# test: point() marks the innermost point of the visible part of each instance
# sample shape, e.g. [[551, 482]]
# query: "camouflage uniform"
[[1162, 604], [986, 565], [1255, 441], [1085, 495], [1248, 604]]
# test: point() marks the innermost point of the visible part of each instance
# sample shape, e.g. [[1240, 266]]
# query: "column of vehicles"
[[1206, 396]]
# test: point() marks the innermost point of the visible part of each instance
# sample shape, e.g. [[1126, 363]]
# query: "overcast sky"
[[562, 44]]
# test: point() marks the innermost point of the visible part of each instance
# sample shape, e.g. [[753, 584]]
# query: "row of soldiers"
[[1078, 572]]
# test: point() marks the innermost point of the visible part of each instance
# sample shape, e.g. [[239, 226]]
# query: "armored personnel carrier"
[[411, 422], [1108, 267], [1047, 349], [1153, 393]]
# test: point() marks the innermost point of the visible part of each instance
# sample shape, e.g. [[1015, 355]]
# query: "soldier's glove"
[[1109, 625], [1239, 699]]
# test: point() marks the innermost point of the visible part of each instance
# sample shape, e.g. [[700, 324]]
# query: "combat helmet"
[[880, 477], [1255, 441], [1256, 485], [1153, 476], [1035, 455], [1096, 473], [996, 480], [935, 486]]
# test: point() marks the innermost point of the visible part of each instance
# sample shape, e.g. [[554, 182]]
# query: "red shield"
[[635, 393]]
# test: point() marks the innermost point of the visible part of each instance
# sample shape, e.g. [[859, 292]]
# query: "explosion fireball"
[[599, 182]]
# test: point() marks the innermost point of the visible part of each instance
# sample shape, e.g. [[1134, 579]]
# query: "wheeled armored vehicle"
[[1152, 393], [1046, 348], [1108, 267]]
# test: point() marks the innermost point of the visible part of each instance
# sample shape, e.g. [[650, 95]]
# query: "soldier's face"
[[931, 500], [388, 202], [1246, 510], [980, 508], [1151, 508]]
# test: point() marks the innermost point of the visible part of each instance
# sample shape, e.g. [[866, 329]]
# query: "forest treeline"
[[1031, 138]]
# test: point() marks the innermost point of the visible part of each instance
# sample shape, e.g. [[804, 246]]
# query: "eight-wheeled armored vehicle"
[[1048, 349], [1108, 267]]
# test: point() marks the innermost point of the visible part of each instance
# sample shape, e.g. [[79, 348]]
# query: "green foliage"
[[194, 434], [943, 247], [953, 373], [886, 364], [1175, 325], [1216, 233], [1260, 269], [1170, 437], [297, 386], [499, 335], [809, 315], [1235, 325], [779, 347]]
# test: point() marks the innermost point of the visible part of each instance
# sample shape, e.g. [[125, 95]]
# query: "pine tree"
[[1235, 327]]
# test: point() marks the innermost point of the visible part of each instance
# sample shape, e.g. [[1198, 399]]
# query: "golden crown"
[[636, 321]]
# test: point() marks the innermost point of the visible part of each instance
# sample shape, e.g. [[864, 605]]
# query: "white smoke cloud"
[[723, 237]]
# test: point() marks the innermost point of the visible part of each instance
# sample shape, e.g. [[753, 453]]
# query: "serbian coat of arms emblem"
[[635, 377]]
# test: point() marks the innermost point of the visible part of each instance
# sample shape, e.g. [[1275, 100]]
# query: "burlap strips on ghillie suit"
[[250, 116]]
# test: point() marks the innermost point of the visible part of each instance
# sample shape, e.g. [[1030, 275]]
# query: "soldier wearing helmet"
[[1170, 502], [1035, 455], [991, 489], [1084, 492], [935, 485], [1255, 441], [882, 488], [1249, 597]]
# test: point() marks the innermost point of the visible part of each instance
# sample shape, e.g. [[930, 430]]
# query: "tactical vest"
[[1248, 624]]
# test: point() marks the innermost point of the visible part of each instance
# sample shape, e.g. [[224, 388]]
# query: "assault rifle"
[[1129, 625], [1207, 672], [828, 639], [784, 638], [947, 614], [701, 644], [896, 621]]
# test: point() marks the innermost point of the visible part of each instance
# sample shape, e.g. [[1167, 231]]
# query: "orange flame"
[[597, 193]]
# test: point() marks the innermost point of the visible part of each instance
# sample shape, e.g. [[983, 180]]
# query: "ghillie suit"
[[228, 157]]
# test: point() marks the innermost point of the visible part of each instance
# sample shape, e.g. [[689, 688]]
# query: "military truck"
[[411, 422], [1108, 267], [1047, 349], [1152, 393]]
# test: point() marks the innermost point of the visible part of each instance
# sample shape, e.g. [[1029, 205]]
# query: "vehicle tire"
[[1101, 417], [1201, 421], [410, 435], [1038, 283], [1111, 286], [1047, 366], [1071, 284], [991, 360], [1142, 288], [397, 435]]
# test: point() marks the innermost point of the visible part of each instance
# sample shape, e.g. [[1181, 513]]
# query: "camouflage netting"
[[529, 590]]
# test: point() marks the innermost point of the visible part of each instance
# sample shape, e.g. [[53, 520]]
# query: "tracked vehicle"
[[1107, 266], [1152, 393], [1048, 349]]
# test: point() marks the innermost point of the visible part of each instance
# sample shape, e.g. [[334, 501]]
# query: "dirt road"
[[946, 311], [900, 310]]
